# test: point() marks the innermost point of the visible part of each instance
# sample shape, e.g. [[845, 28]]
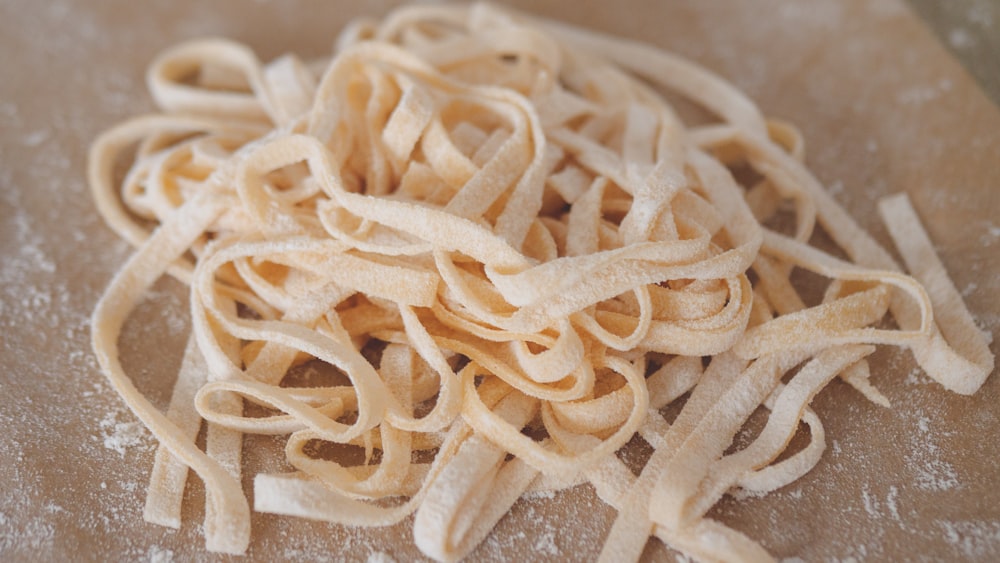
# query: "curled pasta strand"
[[228, 529], [956, 353], [788, 409], [169, 474]]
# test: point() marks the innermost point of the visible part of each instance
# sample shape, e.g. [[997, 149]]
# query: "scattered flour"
[[969, 289], [931, 473], [120, 436], [380, 557], [918, 95], [157, 554], [34, 535], [917, 376], [35, 138], [993, 230], [880, 509], [960, 38], [974, 539], [170, 308], [870, 502], [540, 494], [546, 544], [981, 13], [890, 503], [31, 254]]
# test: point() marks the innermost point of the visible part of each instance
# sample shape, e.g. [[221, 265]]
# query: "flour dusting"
[[546, 544], [931, 472], [121, 436], [974, 539], [157, 554], [380, 557]]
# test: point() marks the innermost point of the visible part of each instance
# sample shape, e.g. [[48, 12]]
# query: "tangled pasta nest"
[[513, 254]]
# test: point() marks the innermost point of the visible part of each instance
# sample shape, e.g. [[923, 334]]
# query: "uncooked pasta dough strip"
[[395, 444], [166, 482], [858, 377], [223, 444], [489, 424], [704, 538], [781, 426], [777, 475], [510, 483], [706, 442], [632, 527], [696, 83], [166, 74], [867, 253], [672, 380], [957, 349], [581, 377], [229, 530], [274, 360], [449, 398], [843, 321], [463, 487], [112, 143], [296, 496]]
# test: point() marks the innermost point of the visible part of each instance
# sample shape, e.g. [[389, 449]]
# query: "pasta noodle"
[[514, 254]]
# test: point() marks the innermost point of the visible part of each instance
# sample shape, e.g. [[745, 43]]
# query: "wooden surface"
[[970, 30], [883, 108]]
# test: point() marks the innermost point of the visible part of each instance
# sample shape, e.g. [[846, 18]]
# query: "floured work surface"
[[882, 110]]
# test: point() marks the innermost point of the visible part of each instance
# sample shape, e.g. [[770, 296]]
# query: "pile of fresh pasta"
[[510, 256]]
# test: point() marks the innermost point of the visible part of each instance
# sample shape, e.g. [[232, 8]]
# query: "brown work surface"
[[883, 109]]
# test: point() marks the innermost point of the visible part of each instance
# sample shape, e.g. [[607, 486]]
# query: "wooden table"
[[883, 106]]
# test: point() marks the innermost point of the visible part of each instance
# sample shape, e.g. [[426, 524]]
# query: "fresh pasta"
[[513, 254]]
